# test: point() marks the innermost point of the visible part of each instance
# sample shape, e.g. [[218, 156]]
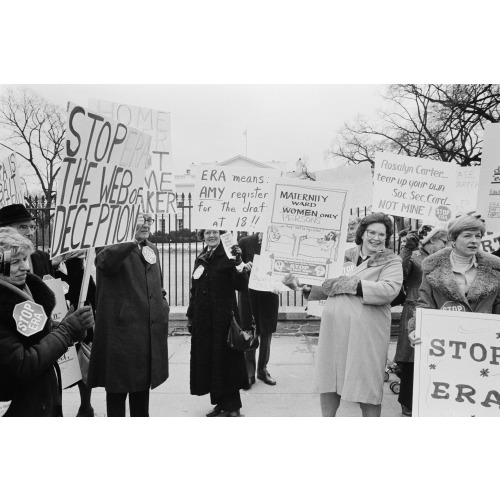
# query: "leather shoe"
[[405, 411], [217, 410], [266, 378], [234, 413]]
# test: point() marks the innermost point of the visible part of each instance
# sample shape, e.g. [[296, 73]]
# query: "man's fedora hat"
[[14, 213]]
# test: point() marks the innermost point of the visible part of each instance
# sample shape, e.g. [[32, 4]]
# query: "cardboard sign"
[[10, 182], [30, 318], [70, 367], [159, 188], [357, 175], [61, 307], [263, 282], [414, 187], [100, 183], [227, 240], [457, 365], [306, 230], [231, 198], [466, 190], [490, 242], [488, 193]]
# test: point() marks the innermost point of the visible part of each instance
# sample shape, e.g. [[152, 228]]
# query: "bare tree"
[[441, 122], [34, 129]]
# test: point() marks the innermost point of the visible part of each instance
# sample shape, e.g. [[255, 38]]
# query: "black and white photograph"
[[214, 222]]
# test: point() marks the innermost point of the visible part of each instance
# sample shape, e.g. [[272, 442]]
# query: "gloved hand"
[[190, 325], [411, 241], [236, 251], [78, 322]]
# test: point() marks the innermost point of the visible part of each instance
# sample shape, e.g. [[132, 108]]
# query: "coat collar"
[[438, 271], [376, 260]]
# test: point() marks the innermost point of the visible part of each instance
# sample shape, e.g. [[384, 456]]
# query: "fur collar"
[[376, 260], [42, 295], [437, 268]]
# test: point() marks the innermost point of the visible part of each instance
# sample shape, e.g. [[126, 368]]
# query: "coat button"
[[44, 407]]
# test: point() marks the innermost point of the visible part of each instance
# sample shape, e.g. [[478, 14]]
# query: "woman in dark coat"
[[214, 367], [130, 351], [28, 364], [416, 248]]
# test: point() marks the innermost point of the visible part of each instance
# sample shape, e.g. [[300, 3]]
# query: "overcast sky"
[[285, 122]]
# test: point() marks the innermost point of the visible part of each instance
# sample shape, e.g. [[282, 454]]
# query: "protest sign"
[[306, 230], [359, 176], [100, 183], [10, 182], [228, 241], [159, 188], [70, 367], [488, 193], [466, 190], [61, 307], [264, 283], [457, 364], [414, 187], [231, 197]]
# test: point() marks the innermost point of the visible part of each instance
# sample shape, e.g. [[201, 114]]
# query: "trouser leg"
[[264, 351], [406, 388], [139, 403], [231, 401], [115, 404]]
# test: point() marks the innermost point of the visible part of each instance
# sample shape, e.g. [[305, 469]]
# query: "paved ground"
[[292, 360]]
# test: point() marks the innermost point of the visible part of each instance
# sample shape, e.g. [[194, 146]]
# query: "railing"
[[178, 246]]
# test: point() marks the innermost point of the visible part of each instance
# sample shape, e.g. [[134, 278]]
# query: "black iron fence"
[[178, 246]]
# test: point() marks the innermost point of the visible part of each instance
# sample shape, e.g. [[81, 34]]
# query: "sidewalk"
[[291, 365]]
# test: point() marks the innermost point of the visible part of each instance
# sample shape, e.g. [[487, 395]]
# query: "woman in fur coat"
[[30, 348], [462, 276], [356, 323]]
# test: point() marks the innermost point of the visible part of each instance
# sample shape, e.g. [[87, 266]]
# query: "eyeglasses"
[[373, 234], [148, 220]]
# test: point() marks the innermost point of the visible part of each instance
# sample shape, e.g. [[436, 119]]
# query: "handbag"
[[242, 340], [401, 297], [84, 360]]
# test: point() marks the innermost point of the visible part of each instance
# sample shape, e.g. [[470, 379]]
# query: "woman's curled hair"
[[11, 240], [374, 218]]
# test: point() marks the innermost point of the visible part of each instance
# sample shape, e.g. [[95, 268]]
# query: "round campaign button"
[[451, 305], [30, 318], [443, 213], [149, 255], [348, 268], [4, 406]]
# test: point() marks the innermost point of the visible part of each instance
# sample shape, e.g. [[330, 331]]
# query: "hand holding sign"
[[78, 322]]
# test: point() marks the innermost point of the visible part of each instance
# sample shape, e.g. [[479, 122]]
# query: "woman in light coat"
[[461, 277], [355, 326]]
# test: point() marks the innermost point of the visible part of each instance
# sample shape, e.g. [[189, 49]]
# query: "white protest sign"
[[488, 193], [100, 183], [159, 188], [306, 230], [70, 367], [231, 197], [61, 307], [359, 176], [457, 365], [10, 182], [490, 242], [264, 283], [414, 187], [228, 241], [466, 190]]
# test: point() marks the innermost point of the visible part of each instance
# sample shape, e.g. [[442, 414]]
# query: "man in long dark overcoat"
[[129, 352], [264, 306]]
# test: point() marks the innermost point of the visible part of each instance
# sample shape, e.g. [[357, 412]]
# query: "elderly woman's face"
[[468, 243], [211, 238], [19, 267], [374, 238], [351, 231]]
